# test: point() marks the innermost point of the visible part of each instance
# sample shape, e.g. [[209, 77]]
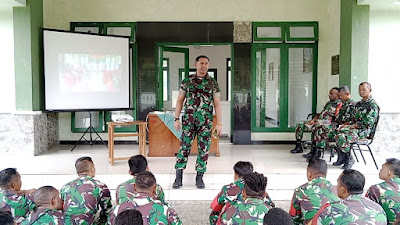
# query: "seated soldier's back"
[[126, 192], [20, 205], [365, 211]]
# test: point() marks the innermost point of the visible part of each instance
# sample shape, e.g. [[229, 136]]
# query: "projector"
[[122, 118]]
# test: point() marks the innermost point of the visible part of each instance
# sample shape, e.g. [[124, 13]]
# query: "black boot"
[[298, 148], [349, 161], [311, 153], [199, 180], [178, 180], [341, 158]]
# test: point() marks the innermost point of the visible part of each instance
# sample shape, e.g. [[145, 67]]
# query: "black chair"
[[365, 142]]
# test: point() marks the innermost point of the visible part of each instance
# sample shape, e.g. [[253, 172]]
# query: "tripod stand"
[[90, 129]]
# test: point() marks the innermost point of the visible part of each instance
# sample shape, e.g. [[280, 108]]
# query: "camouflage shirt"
[[249, 211], [153, 211], [334, 213], [82, 198], [346, 112], [365, 211], [308, 199], [366, 113], [387, 194], [330, 110], [45, 217], [20, 205], [126, 191], [199, 93]]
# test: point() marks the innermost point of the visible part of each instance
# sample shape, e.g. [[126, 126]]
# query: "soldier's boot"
[[341, 158], [298, 148], [349, 161], [199, 180], [312, 153], [178, 180]]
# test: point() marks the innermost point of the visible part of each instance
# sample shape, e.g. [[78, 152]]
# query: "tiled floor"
[[283, 170]]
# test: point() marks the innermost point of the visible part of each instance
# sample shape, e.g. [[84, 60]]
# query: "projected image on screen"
[[83, 72]]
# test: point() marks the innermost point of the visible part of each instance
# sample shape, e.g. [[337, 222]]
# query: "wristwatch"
[[176, 118]]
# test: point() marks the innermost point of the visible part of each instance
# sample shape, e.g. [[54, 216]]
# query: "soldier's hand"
[[177, 125], [217, 128]]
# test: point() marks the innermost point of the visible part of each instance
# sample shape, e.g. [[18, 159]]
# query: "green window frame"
[[314, 25], [268, 24], [285, 31], [166, 69], [105, 116]]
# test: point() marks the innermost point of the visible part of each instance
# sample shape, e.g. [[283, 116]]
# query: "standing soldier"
[[12, 198], [201, 92], [329, 112], [49, 204], [311, 196], [350, 185], [153, 211], [366, 114], [387, 193], [84, 196], [326, 133]]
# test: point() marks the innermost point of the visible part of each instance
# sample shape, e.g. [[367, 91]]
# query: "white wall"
[[7, 75], [384, 56]]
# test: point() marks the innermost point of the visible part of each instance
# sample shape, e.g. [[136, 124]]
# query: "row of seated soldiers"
[[86, 200], [341, 122]]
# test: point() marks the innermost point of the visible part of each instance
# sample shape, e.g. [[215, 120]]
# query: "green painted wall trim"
[[28, 56], [354, 42]]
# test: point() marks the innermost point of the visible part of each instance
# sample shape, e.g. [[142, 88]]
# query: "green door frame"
[[283, 82]]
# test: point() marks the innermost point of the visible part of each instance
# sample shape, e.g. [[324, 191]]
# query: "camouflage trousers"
[[301, 128], [345, 137], [323, 134], [195, 125]]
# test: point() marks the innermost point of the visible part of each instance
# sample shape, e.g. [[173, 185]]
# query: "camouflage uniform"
[[228, 195], [45, 217], [126, 191], [308, 199], [366, 113], [327, 113], [365, 211], [323, 133], [387, 194], [332, 213], [249, 211], [197, 118], [153, 211], [82, 198], [20, 205]]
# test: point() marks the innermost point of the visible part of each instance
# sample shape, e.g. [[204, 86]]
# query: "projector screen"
[[85, 71]]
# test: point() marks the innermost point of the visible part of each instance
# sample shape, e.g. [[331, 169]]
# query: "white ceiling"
[[381, 4], [6, 5]]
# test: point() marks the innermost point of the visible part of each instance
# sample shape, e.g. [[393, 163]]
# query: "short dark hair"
[[43, 195], [353, 180], [202, 56], [394, 165], [83, 164], [335, 88], [366, 83], [6, 218], [7, 176], [129, 217], [255, 184], [242, 168], [137, 164], [144, 180], [345, 88], [277, 216], [318, 165]]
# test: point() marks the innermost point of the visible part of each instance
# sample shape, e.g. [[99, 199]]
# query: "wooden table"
[[141, 136], [163, 143]]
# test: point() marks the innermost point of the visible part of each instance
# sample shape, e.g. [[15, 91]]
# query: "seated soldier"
[[12, 198], [327, 113], [6, 218], [252, 208], [129, 217], [326, 133], [365, 115], [153, 210], [350, 185], [125, 191], [232, 192], [277, 216], [332, 213], [309, 197], [84, 196], [49, 206], [387, 193]]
